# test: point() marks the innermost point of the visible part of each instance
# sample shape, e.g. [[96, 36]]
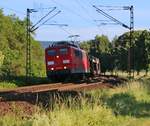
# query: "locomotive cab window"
[[51, 52], [63, 51], [78, 53]]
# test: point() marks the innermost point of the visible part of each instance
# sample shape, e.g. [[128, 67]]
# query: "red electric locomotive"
[[65, 59]]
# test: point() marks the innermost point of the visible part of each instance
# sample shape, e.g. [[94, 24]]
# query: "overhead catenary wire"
[[102, 20], [72, 11], [86, 11], [83, 8], [110, 17], [65, 30], [33, 29], [60, 26], [111, 8], [108, 6], [43, 18], [78, 14], [89, 3], [57, 24], [44, 8], [104, 23]]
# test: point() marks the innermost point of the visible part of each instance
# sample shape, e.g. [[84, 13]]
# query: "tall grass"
[[6, 85], [127, 105]]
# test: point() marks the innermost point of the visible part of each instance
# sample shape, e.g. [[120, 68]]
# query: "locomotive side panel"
[[77, 65], [80, 63], [86, 63]]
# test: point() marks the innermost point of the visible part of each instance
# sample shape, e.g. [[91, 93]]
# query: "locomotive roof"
[[64, 43]]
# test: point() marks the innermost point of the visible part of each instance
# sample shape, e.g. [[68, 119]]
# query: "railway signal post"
[[28, 47], [131, 60]]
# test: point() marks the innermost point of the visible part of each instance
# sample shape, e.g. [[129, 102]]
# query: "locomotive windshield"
[[63, 51], [51, 52]]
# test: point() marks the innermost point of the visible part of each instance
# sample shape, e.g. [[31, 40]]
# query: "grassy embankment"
[[7, 85], [21, 81], [127, 105]]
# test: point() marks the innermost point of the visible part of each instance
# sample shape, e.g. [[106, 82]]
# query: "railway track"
[[56, 87], [28, 97], [94, 83]]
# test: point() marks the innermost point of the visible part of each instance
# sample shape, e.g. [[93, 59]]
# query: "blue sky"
[[80, 16]]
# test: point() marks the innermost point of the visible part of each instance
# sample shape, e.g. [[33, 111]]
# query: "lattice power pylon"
[[28, 47]]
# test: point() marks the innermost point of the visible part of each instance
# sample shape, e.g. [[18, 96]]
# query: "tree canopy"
[[13, 48], [114, 55]]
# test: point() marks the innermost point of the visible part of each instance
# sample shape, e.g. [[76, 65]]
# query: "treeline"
[[114, 54], [13, 48]]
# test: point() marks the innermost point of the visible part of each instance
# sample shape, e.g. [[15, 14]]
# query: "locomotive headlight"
[[50, 62], [66, 61]]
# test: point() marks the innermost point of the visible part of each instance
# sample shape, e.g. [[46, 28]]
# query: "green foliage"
[[13, 48], [6, 85], [1, 59], [140, 50], [86, 45], [114, 55], [100, 48], [102, 43], [38, 60]]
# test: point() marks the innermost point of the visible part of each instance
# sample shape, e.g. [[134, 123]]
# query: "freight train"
[[66, 59]]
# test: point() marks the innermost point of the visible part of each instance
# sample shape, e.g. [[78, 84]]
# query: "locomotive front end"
[[58, 62]]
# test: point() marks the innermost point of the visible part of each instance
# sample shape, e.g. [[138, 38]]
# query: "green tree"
[[139, 50], [86, 45], [13, 47], [102, 44], [142, 49], [100, 48], [1, 59]]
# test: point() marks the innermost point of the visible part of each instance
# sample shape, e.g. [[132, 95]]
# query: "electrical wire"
[[43, 17], [60, 26], [85, 10], [72, 11], [65, 30], [110, 17], [108, 6], [90, 4], [33, 29], [44, 8]]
